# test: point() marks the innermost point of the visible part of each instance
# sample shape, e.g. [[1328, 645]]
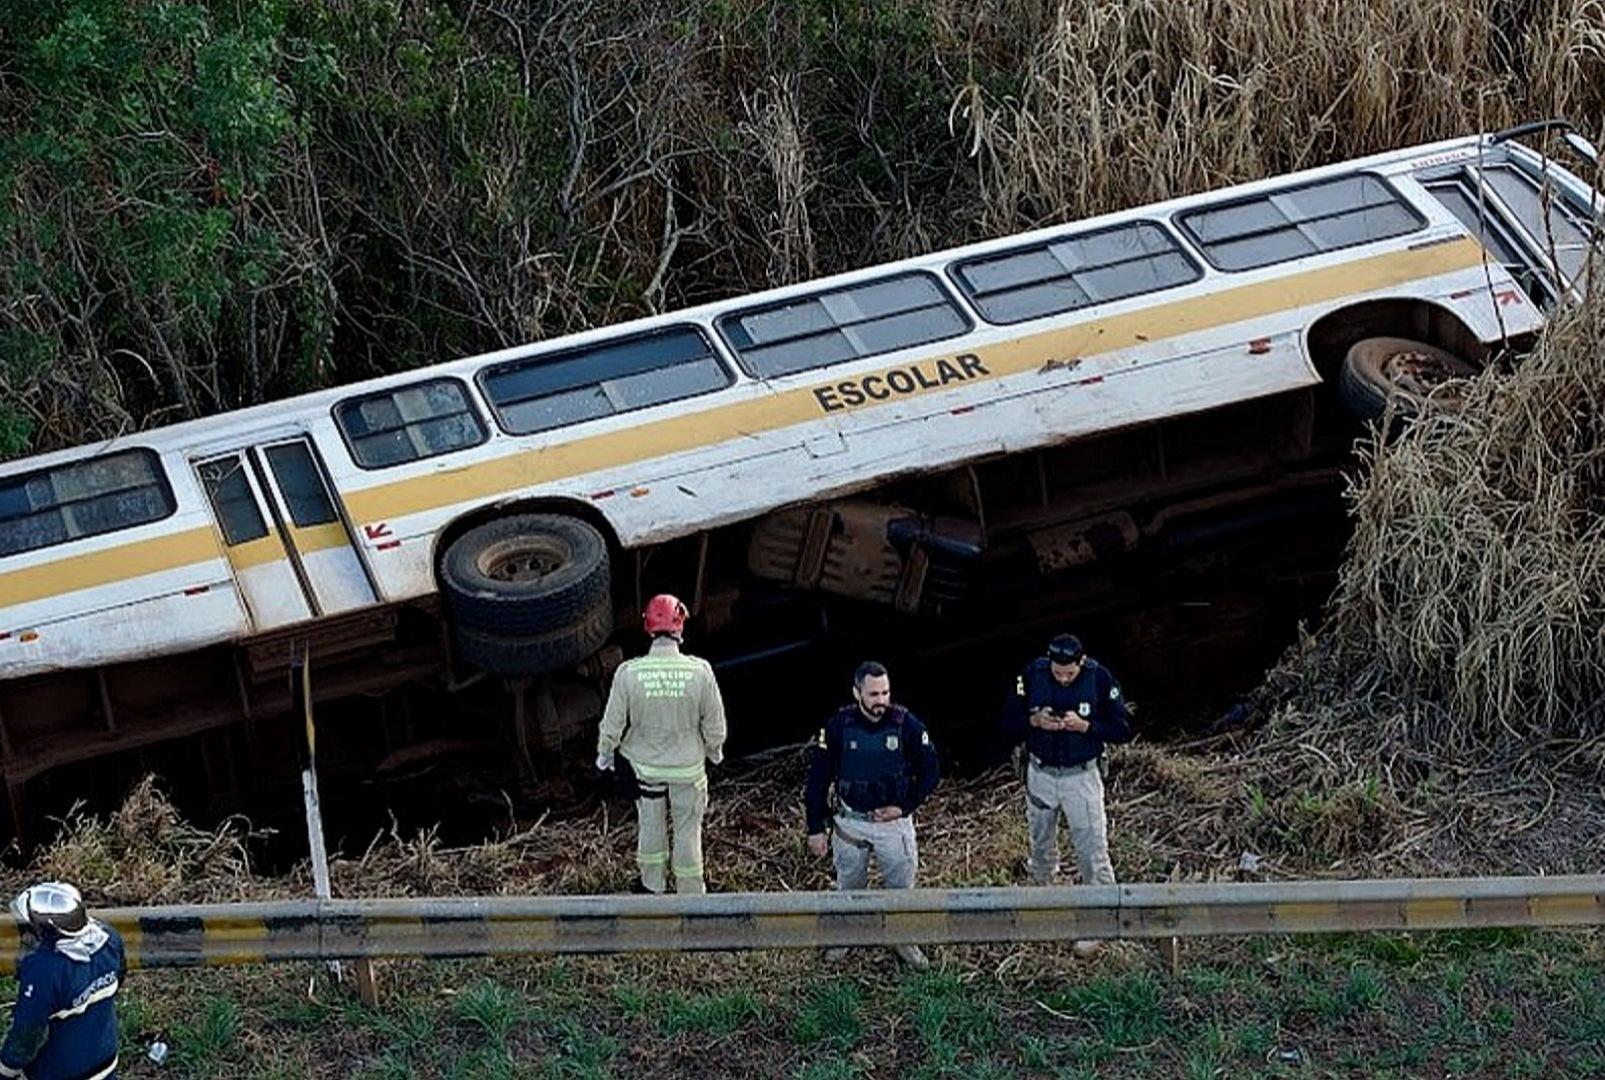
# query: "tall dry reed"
[[1125, 103]]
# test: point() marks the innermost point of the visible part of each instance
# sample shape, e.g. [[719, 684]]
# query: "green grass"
[[954, 1019], [1126, 1010], [830, 1013], [493, 1009], [202, 1043], [711, 1014], [1496, 1005]]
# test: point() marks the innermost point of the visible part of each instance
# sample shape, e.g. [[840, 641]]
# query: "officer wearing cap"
[[1068, 708], [879, 758], [64, 1025], [665, 717]]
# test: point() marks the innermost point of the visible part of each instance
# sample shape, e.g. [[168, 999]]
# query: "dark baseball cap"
[[1065, 649]]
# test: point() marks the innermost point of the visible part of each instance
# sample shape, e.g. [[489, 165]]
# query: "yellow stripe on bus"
[[319, 537], [690, 431], [264, 549], [108, 565]]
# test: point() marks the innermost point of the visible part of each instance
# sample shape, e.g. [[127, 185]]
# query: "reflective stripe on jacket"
[[64, 1026], [664, 714]]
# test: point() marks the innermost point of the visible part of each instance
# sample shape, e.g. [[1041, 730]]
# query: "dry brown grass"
[[1477, 571], [1126, 103], [145, 853]]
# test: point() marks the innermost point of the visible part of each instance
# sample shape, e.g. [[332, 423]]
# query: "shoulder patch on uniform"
[[820, 739], [1019, 685], [925, 738], [1114, 693]]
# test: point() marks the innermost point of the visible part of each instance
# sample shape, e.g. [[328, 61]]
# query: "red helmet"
[[664, 615]]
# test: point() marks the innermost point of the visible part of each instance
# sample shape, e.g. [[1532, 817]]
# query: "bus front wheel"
[[1418, 375], [537, 585]]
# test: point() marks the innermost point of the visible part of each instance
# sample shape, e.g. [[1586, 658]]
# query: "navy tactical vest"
[[875, 768]]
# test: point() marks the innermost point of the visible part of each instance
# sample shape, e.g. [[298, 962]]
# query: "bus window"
[[1483, 221], [84, 498], [393, 427], [238, 514], [843, 324], [1266, 229], [1062, 275], [558, 388], [304, 493], [1554, 226]]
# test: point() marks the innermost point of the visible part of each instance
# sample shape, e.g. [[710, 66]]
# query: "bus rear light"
[[196, 590], [1259, 346], [387, 545], [4, 634], [28, 635], [636, 493], [608, 494]]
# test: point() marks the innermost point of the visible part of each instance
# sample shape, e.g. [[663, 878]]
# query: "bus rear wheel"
[[537, 585], [1421, 377], [512, 657]]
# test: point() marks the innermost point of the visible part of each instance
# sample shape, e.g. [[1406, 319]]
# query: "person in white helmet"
[[64, 1025], [665, 717]]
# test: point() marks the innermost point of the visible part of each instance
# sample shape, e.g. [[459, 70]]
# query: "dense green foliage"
[[205, 205]]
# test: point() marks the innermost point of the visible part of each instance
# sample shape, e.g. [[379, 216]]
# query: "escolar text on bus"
[[926, 375]]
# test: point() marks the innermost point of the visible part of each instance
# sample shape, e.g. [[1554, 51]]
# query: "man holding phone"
[[1069, 707]]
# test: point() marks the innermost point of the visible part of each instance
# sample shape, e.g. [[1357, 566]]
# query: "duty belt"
[[845, 811], [1062, 770]]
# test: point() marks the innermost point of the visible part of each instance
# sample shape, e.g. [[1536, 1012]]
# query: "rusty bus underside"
[[1184, 547]]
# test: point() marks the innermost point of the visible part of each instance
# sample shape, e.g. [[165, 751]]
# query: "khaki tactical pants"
[[891, 843], [1078, 795], [683, 804]]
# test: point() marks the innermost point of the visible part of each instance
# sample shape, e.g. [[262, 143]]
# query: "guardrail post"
[[301, 694]]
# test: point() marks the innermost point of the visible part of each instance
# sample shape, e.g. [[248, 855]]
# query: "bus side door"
[[288, 546], [335, 576]]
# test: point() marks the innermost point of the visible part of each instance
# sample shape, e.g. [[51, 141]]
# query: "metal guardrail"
[[222, 934]]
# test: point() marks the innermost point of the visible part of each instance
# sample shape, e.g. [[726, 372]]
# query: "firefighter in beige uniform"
[[664, 715]]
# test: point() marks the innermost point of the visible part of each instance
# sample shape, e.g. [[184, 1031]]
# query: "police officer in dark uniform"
[[881, 762], [1068, 707], [64, 1025]]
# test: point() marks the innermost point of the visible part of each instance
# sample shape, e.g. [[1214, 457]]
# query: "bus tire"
[[1378, 368], [526, 575], [541, 654]]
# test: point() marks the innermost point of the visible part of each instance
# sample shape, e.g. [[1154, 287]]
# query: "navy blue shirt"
[[64, 1026], [1093, 695], [873, 763]]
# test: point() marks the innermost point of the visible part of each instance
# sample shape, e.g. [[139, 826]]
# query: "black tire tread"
[[540, 654], [502, 609], [1366, 395]]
